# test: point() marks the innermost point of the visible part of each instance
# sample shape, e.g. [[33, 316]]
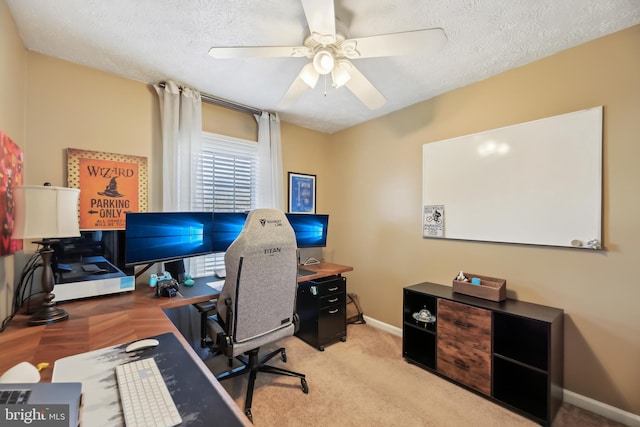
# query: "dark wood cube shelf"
[[510, 352]]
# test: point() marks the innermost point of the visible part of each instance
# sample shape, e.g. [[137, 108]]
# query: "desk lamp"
[[47, 213]]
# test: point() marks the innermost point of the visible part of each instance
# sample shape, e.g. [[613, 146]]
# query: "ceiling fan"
[[330, 49]]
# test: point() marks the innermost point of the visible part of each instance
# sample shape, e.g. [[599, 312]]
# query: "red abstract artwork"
[[11, 165]]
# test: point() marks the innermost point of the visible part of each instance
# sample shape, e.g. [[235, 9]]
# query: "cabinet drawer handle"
[[459, 363], [333, 311], [333, 300], [333, 289], [463, 324]]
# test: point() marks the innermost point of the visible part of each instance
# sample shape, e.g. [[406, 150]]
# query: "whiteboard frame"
[[537, 182]]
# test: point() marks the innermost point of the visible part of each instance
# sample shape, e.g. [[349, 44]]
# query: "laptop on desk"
[[40, 404]]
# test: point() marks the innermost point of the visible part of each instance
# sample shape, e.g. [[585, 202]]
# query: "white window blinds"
[[226, 181]]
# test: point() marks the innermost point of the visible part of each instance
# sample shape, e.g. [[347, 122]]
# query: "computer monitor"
[[226, 227], [310, 229], [167, 236]]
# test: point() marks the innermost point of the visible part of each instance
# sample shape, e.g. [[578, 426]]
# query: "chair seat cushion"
[[255, 342]]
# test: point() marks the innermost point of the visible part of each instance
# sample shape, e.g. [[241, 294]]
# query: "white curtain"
[[271, 187], [181, 117]]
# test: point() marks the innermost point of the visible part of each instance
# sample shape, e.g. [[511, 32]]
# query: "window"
[[226, 181]]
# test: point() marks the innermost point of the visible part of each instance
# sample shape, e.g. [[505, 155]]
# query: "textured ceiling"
[[155, 40]]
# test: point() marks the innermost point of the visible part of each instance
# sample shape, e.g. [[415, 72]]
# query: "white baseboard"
[[602, 409], [586, 403], [384, 326]]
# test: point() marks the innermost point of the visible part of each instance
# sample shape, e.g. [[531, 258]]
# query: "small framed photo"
[[302, 193]]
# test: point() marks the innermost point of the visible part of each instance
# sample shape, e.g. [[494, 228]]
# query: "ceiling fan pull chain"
[[325, 85]]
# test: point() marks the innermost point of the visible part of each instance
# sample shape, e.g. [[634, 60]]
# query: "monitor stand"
[[176, 269], [310, 256]]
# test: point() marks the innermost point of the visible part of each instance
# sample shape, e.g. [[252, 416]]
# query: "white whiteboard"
[[538, 182]]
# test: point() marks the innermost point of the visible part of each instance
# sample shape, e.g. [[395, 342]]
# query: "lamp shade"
[[45, 212]]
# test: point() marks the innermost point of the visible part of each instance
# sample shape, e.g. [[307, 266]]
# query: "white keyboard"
[[144, 396]]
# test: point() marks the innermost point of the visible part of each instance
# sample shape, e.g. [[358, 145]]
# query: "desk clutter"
[[479, 286], [164, 284]]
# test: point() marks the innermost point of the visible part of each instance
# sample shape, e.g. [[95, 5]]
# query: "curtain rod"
[[223, 102]]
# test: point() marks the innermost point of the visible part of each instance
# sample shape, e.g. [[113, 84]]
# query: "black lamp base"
[[47, 315], [49, 312]]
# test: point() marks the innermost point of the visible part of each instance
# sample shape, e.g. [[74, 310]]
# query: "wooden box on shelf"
[[490, 288]]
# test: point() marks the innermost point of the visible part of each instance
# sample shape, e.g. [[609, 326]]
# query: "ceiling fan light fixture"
[[309, 75], [323, 61], [340, 74]]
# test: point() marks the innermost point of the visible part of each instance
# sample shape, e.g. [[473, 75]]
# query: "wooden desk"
[[324, 269], [109, 320], [93, 323]]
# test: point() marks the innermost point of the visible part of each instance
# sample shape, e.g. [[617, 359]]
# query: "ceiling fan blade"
[[362, 88], [421, 41], [321, 18], [260, 52], [307, 78]]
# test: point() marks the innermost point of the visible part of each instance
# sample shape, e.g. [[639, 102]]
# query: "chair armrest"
[[216, 333], [228, 321], [224, 339], [206, 306]]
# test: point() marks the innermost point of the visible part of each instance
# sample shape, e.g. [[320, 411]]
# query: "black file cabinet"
[[322, 308]]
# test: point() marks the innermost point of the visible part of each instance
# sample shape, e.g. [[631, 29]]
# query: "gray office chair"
[[257, 303]]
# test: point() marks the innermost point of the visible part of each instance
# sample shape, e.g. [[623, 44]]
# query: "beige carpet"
[[366, 382]]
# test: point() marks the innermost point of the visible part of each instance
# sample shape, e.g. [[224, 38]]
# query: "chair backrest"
[[261, 267]]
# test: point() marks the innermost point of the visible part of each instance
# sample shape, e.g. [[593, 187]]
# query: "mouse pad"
[[195, 397]]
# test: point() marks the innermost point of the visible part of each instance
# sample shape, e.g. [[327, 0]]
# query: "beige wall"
[[305, 151], [376, 205], [369, 180], [71, 106], [225, 121]]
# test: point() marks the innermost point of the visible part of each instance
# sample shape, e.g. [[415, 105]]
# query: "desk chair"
[[256, 305]]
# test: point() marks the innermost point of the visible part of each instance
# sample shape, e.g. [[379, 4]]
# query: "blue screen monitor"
[[164, 236], [226, 227], [310, 229]]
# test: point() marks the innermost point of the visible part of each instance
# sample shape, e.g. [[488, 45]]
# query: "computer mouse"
[[23, 372], [141, 345]]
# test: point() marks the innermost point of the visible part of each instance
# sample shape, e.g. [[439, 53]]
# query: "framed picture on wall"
[[11, 176], [302, 193], [110, 186]]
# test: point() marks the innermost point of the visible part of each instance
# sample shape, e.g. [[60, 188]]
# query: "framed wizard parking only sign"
[[110, 186]]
